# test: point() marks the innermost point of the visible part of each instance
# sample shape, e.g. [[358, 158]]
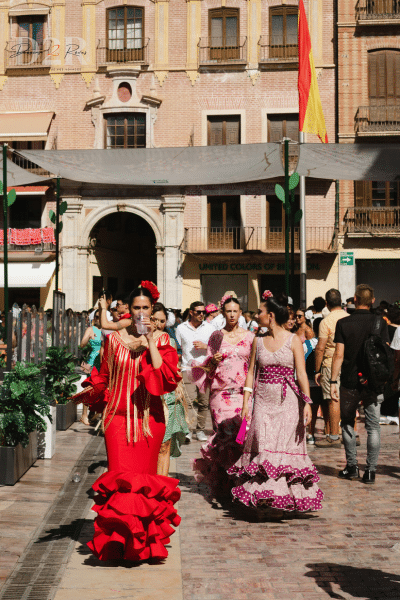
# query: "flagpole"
[[303, 245]]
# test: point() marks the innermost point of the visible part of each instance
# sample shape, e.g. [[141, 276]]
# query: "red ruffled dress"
[[134, 505]]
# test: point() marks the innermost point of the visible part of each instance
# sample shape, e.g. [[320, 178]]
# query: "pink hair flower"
[[266, 294]]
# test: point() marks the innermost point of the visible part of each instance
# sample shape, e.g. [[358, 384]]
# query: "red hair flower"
[[149, 285], [266, 294]]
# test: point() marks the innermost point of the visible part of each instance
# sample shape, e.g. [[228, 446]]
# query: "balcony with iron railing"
[[370, 220], [27, 54], [369, 12], [27, 165], [254, 239], [212, 52], [274, 53], [106, 55], [378, 120], [30, 239]]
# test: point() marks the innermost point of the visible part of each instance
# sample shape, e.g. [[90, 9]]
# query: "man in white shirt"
[[193, 336]]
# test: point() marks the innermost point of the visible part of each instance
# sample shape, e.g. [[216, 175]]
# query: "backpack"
[[378, 360]]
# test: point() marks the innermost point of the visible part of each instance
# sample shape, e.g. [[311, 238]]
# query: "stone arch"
[[137, 209]]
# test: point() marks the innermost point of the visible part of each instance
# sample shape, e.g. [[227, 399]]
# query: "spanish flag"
[[311, 117]]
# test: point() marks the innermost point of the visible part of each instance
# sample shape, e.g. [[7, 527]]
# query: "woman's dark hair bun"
[[278, 304], [159, 307]]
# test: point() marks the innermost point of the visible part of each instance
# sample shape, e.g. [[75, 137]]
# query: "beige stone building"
[[143, 73], [369, 112]]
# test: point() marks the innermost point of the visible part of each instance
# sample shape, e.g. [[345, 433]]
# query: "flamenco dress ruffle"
[[282, 481], [136, 516]]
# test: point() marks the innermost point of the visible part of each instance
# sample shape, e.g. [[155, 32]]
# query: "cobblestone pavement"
[[350, 549]]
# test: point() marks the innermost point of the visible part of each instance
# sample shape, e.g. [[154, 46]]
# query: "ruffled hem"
[[264, 467], [219, 454], [287, 502], [135, 516]]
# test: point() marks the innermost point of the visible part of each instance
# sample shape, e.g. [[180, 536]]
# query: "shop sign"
[[347, 258], [247, 266]]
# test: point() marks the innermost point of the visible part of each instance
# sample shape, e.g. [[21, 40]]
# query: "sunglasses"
[[299, 316], [199, 312]]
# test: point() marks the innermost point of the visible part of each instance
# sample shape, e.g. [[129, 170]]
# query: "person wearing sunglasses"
[[193, 336]]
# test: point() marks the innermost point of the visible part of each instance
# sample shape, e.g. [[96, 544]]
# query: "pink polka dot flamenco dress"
[[274, 470]]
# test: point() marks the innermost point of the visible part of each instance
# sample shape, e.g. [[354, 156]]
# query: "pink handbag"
[[241, 436]]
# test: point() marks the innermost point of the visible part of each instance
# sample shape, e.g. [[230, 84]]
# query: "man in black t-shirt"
[[350, 335]]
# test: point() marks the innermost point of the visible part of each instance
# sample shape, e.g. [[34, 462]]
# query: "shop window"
[[31, 36], [224, 222], [26, 212], [283, 32], [224, 34], [126, 130], [213, 287], [125, 27], [223, 130]]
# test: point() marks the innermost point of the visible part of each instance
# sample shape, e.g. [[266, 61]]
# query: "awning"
[[354, 162], [22, 127], [192, 165], [26, 275]]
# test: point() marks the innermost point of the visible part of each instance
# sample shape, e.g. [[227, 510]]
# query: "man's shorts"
[[324, 382]]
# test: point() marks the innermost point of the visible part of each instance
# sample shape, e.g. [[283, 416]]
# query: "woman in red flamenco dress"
[[135, 507]]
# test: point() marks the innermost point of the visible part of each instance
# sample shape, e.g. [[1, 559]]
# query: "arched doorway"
[[124, 253]]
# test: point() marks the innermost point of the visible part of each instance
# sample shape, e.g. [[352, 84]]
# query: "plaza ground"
[[350, 549]]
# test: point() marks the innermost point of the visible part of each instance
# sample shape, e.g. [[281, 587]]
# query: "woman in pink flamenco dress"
[[274, 471], [224, 372], [135, 506]]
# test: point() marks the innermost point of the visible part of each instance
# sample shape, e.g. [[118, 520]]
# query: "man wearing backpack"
[[351, 337]]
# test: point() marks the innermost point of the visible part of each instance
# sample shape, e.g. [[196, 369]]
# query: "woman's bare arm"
[[249, 380]]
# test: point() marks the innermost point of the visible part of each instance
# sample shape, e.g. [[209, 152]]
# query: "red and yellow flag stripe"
[[311, 116]]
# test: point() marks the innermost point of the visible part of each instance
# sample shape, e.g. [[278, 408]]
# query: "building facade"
[[144, 73], [369, 112]]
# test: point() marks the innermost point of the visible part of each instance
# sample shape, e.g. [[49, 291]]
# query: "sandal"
[[85, 422]]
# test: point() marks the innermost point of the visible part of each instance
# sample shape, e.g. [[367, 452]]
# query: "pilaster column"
[[253, 37], [89, 35], [172, 209], [73, 256], [4, 36], [193, 36], [58, 36], [161, 40]]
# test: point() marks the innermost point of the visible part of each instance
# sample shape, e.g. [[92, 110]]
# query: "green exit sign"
[[347, 258]]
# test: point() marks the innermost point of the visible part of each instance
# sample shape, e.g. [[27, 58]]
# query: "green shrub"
[[23, 405], [60, 374]]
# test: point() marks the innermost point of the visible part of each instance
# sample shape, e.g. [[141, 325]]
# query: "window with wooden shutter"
[[223, 31], [224, 222], [126, 130], [125, 34], [285, 125], [283, 32], [384, 77], [276, 223], [31, 32], [223, 130]]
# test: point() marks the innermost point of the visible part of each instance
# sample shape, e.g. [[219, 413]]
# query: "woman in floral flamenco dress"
[[275, 471], [134, 505], [224, 372]]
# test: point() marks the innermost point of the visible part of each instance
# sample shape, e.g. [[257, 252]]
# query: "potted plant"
[[23, 409], [60, 384]]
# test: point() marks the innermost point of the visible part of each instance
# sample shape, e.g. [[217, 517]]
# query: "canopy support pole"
[[303, 245], [57, 232], [287, 219], [5, 238]]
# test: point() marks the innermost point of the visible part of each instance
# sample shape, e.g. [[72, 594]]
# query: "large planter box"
[[47, 439], [16, 460], [66, 415]]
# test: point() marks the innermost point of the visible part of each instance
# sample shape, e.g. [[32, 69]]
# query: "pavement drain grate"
[[40, 568]]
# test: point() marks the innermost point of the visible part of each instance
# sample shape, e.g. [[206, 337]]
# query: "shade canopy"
[[17, 176], [355, 162], [28, 275], [193, 165]]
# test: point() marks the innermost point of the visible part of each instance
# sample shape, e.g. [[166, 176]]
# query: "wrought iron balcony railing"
[[372, 220], [375, 120], [273, 49], [261, 239], [107, 55], [378, 10], [213, 51], [26, 53]]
